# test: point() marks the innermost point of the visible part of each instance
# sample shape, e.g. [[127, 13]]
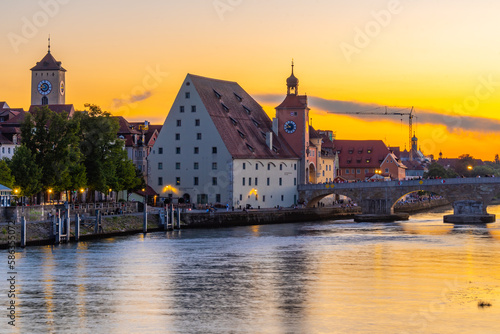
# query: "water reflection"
[[418, 276]]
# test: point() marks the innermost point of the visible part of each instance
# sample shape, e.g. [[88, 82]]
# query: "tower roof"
[[48, 63], [292, 81]]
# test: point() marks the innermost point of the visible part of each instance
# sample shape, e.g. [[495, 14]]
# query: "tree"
[[52, 140], [482, 171], [497, 159], [6, 177], [438, 171], [27, 173], [464, 165]]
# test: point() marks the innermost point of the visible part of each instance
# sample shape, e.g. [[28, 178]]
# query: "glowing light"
[[171, 189], [50, 191], [82, 190], [469, 167]]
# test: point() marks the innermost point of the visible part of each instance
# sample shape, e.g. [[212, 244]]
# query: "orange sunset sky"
[[442, 57]]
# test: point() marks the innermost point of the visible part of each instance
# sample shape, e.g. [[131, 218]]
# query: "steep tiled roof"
[[4, 141], [48, 63], [16, 120], [294, 101], [226, 101], [327, 143], [127, 128], [355, 153], [313, 133], [413, 165]]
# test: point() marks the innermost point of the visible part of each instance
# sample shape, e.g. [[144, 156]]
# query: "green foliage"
[[464, 165], [26, 171], [6, 177], [483, 171], [52, 140], [436, 170]]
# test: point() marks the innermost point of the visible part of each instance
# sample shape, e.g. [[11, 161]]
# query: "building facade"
[[218, 146]]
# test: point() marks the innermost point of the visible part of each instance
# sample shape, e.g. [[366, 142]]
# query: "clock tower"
[[48, 82], [293, 123]]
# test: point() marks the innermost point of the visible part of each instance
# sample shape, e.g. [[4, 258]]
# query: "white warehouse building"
[[217, 146]]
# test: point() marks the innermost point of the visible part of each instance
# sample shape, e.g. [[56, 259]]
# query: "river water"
[[420, 276]]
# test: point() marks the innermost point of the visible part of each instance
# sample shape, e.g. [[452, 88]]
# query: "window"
[[264, 198], [242, 135], [247, 110], [268, 166], [177, 136], [193, 108], [238, 97], [241, 197], [282, 198], [281, 181], [217, 95], [179, 122], [268, 181], [256, 166], [178, 181], [160, 165], [256, 181], [249, 181], [196, 150], [160, 150], [295, 181], [368, 161], [196, 165], [196, 122], [294, 166], [177, 150], [160, 181], [358, 171], [250, 148], [233, 121], [281, 166], [188, 95], [347, 171], [214, 166], [387, 170], [367, 171], [214, 181], [177, 165], [198, 136], [244, 165], [214, 150], [181, 109], [226, 108], [243, 182], [217, 198], [196, 181]]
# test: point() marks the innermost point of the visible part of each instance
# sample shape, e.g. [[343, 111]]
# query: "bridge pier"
[[379, 210], [469, 212]]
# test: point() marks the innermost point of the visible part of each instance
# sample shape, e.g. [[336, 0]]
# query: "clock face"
[[61, 88], [44, 87], [290, 127]]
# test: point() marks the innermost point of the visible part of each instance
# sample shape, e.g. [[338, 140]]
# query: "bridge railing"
[[388, 184]]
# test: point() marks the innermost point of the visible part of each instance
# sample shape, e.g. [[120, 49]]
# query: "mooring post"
[[96, 226], [178, 218], [172, 217], [59, 230], [165, 217], [145, 223], [23, 231], [68, 222], [77, 227]]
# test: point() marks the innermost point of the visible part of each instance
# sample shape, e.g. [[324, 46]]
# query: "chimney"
[[275, 126], [269, 140]]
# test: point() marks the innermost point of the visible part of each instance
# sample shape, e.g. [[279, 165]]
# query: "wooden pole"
[[145, 223], [77, 227], [23, 231]]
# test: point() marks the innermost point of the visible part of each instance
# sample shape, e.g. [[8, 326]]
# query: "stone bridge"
[[469, 196]]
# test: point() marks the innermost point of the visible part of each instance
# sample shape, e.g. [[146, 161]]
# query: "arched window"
[[45, 101]]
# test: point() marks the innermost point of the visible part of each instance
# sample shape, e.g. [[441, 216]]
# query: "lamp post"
[[49, 192]]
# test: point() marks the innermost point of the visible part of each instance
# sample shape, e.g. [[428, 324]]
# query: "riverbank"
[[40, 233]]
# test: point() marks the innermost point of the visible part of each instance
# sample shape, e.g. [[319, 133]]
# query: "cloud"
[[453, 123], [125, 100]]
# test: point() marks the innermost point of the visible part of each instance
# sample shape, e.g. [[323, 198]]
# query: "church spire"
[[49, 44], [292, 83]]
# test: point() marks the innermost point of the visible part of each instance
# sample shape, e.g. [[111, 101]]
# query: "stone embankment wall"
[[262, 217], [41, 233], [420, 206]]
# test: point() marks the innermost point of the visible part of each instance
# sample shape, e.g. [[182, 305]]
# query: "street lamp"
[[50, 192]]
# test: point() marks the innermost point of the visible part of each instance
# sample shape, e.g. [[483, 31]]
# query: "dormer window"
[[217, 94], [257, 124], [250, 148], [239, 98], [348, 161], [235, 122], [360, 151], [275, 149], [351, 151], [242, 135], [226, 108], [368, 161], [369, 151], [247, 110]]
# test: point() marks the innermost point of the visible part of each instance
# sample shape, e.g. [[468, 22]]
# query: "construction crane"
[[400, 112]]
